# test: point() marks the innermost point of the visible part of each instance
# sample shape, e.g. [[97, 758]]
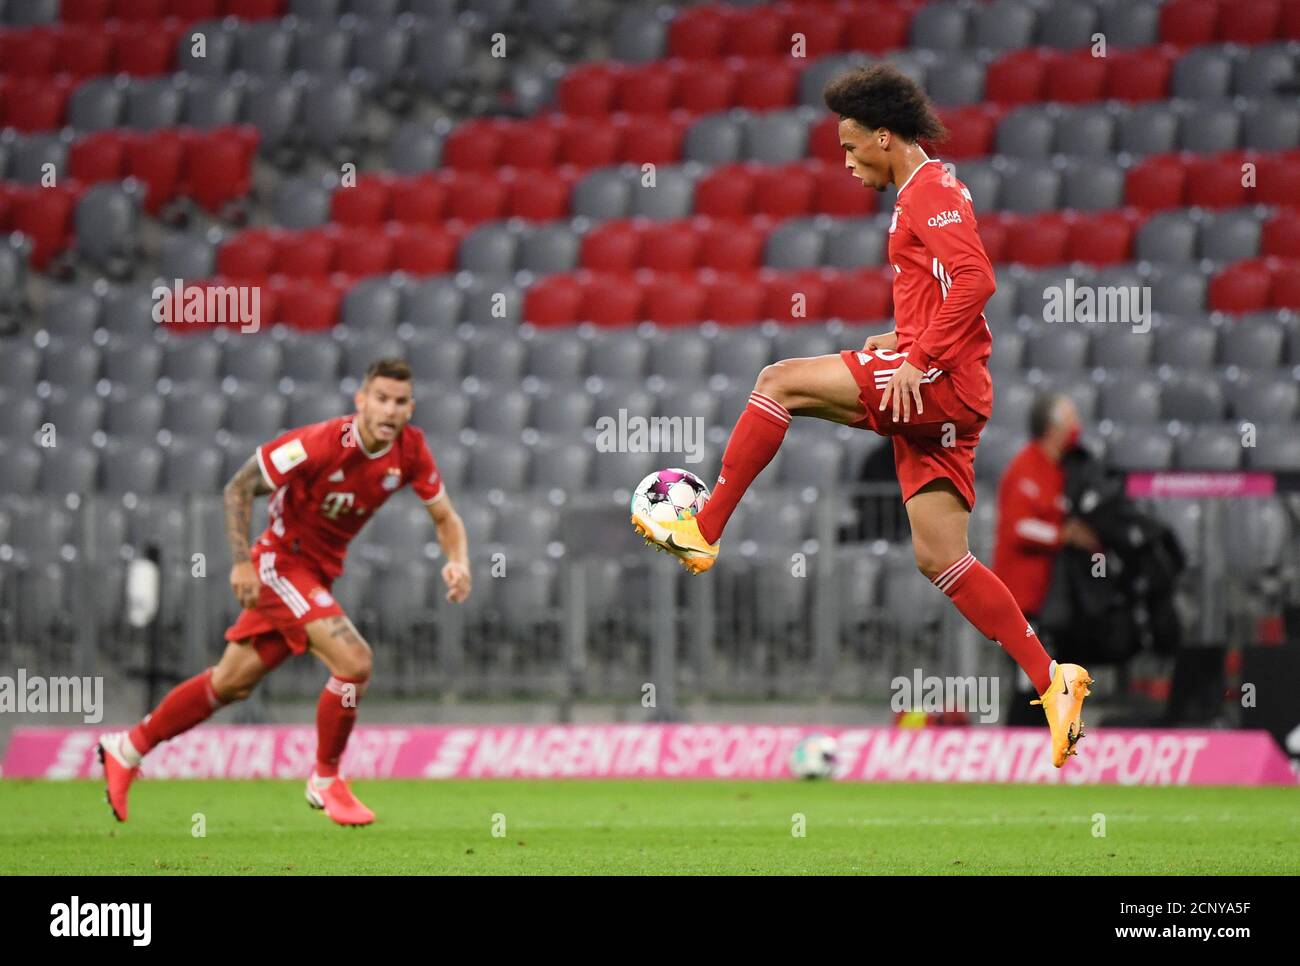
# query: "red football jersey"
[[327, 486], [942, 278], [1031, 510]]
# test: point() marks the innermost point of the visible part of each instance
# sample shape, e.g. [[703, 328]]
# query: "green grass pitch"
[[649, 827]]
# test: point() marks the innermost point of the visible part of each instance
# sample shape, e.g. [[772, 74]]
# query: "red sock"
[[185, 705], [984, 600], [336, 713], [755, 440]]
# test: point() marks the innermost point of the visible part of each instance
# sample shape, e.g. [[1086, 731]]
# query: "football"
[[671, 494], [813, 757]]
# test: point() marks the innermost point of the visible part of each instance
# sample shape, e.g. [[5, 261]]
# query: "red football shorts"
[[293, 595], [936, 445]]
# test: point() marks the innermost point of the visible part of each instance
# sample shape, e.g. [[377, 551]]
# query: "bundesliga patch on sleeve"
[[286, 457]]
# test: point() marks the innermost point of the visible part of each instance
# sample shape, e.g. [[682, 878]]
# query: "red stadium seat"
[[156, 159], [1277, 179], [587, 89], [971, 132], [1038, 239], [553, 300], [305, 254], [539, 195], [423, 249], [475, 196], [36, 103], [765, 84], [1214, 183], [822, 28], [757, 32], [783, 191], [612, 246], [219, 165], [1256, 22], [611, 299], [1285, 291], [473, 145], [670, 246], [1138, 75], [734, 298], [726, 192], [140, 9], [1189, 22], [1016, 78], [1281, 236], [588, 143], [146, 49], [529, 144], [698, 33], [44, 215], [859, 296], [254, 9], [361, 251], [99, 156], [674, 300], [84, 11], [651, 138], [1101, 239], [706, 87], [876, 26], [29, 53], [6, 206], [84, 51], [1075, 78], [250, 255], [1288, 26], [993, 233], [824, 140], [420, 199], [794, 297], [310, 305], [732, 246], [646, 89], [1241, 287], [839, 193], [1158, 182], [194, 9], [365, 203]]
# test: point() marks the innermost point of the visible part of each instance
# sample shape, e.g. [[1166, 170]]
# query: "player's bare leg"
[[347, 655], [818, 386], [186, 705], [939, 519]]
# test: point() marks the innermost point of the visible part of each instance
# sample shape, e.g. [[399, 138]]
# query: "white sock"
[[1051, 670], [321, 782], [127, 751]]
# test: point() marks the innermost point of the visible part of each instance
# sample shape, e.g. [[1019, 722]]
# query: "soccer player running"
[[926, 383], [326, 481]]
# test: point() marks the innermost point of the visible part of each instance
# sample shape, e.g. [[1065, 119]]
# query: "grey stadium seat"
[[670, 197], [194, 413], [794, 243], [186, 256], [256, 414], [493, 301], [549, 248], [562, 411], [1278, 451], [108, 224], [1270, 125], [853, 242], [1130, 24], [153, 104], [1119, 347], [218, 45], [775, 137], [317, 406], [70, 467], [1184, 344], [956, 82], [321, 49], [618, 355], [623, 470], [132, 417], [432, 303], [639, 34], [939, 26], [97, 104], [20, 417], [713, 139], [1030, 187], [442, 413], [191, 467], [1214, 127], [300, 203], [29, 156], [998, 444], [1264, 70], [491, 247], [562, 465], [130, 466], [414, 148], [1130, 399], [20, 366], [1167, 236], [740, 354], [1230, 235], [1003, 25], [1265, 398], [1067, 25], [1140, 448], [191, 360], [72, 365], [382, 49], [983, 181], [1092, 185], [1011, 405], [311, 360], [1178, 290], [434, 360], [1148, 129], [1202, 74], [72, 312], [128, 362], [560, 357], [212, 101], [373, 304], [604, 193], [272, 105], [20, 467], [74, 415], [263, 48], [1086, 131], [811, 462], [1191, 397], [500, 413], [683, 356], [331, 109], [1028, 132], [825, 69], [1252, 344], [439, 55], [1210, 448], [498, 464]]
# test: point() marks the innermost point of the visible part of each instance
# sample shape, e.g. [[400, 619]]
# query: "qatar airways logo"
[[945, 218]]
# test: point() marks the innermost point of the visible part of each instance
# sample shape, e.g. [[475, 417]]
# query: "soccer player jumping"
[[326, 481], [926, 384]]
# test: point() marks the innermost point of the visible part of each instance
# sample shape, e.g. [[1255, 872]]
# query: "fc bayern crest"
[[321, 597], [392, 479]]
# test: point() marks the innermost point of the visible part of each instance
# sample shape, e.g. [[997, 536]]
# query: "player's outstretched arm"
[[238, 495], [455, 544]]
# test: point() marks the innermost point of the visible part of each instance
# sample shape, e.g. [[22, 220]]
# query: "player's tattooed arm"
[[244, 486]]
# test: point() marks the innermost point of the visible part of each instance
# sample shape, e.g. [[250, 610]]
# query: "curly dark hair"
[[883, 96]]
